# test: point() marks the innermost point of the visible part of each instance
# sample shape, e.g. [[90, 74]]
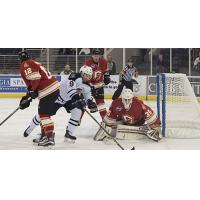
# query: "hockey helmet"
[[86, 72], [96, 51], [23, 55], [127, 97]]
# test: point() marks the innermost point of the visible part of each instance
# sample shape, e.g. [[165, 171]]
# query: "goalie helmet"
[[127, 97], [23, 55], [86, 72]]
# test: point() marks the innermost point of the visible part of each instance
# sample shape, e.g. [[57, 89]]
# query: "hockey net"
[[177, 106]]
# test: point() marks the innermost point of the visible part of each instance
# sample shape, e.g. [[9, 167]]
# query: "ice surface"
[[11, 132]]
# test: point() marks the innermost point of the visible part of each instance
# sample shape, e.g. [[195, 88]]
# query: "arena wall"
[[12, 86]]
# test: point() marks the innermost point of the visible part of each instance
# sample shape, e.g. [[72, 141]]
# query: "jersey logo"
[[128, 119], [97, 75], [119, 108]]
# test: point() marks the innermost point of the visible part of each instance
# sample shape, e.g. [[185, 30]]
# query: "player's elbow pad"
[[32, 93]]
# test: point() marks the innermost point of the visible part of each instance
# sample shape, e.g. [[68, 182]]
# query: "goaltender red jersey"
[[137, 114], [99, 69], [38, 78]]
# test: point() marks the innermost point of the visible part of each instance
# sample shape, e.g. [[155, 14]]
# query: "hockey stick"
[[10, 115], [119, 145]]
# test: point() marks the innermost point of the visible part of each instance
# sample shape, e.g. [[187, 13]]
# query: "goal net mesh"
[[177, 106]]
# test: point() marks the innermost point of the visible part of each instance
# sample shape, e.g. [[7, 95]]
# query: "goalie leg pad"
[[154, 134], [138, 132], [101, 135], [125, 132]]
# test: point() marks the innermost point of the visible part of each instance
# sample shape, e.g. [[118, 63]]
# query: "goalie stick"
[[119, 145]]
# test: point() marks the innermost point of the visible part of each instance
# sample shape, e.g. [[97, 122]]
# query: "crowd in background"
[[141, 58]]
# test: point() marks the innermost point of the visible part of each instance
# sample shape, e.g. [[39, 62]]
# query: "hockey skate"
[[69, 138], [47, 141], [40, 136], [26, 134]]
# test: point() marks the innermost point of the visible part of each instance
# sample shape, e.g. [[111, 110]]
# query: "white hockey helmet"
[[127, 97], [86, 72]]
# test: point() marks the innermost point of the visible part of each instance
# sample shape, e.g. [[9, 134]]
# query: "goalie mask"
[[86, 72], [127, 98]]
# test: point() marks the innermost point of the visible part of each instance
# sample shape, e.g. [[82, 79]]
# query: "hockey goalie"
[[127, 116]]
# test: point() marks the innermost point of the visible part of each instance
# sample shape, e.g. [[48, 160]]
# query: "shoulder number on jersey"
[[148, 113], [28, 71], [71, 83]]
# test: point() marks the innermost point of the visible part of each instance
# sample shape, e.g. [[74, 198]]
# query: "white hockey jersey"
[[69, 88]]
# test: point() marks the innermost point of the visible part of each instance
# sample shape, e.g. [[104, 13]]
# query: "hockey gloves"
[[106, 78], [92, 106], [77, 102], [24, 102], [80, 104]]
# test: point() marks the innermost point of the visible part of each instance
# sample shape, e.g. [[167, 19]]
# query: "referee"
[[126, 78]]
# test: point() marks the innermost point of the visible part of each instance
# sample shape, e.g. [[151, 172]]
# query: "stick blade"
[[133, 148]]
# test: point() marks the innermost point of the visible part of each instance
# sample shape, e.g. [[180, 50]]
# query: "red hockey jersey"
[[38, 78], [137, 112], [99, 69]]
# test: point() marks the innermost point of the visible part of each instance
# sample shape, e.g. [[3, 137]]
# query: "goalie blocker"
[[129, 118]]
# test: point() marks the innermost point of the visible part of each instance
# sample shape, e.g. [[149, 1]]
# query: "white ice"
[[11, 132]]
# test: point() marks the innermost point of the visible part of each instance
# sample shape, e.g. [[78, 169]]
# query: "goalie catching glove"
[[92, 106]]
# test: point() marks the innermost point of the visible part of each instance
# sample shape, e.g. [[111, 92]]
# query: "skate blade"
[[70, 141], [50, 147], [35, 143]]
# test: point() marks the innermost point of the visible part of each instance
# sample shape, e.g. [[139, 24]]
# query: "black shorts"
[[47, 104]]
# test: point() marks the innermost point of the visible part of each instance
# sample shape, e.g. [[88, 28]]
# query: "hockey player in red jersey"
[[75, 95], [100, 78], [42, 85], [132, 112]]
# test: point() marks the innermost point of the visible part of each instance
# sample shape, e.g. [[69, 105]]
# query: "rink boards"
[[12, 86]]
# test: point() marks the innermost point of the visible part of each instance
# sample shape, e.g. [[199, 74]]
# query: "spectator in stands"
[[7, 51], [61, 51], [17, 50], [196, 64], [111, 65], [66, 71], [67, 51], [161, 64], [84, 51]]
